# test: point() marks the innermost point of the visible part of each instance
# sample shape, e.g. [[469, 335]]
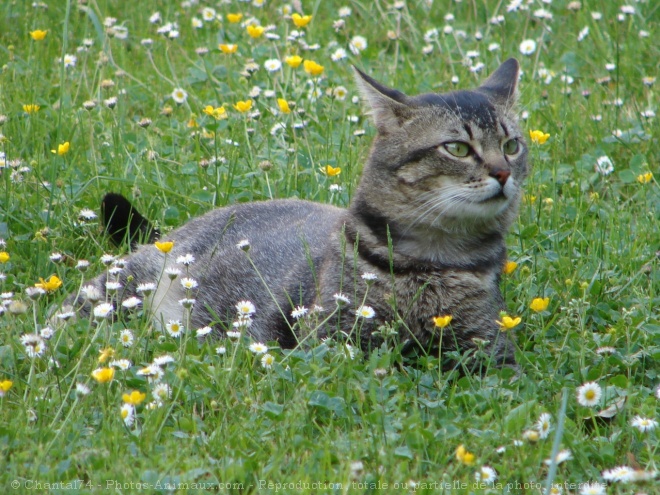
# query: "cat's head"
[[451, 162]]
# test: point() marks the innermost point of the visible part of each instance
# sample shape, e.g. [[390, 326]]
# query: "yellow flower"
[[301, 20], [331, 171], [531, 435], [106, 354], [228, 48], [4, 257], [254, 31], [293, 61], [38, 34], [217, 112], [538, 137], [284, 105], [464, 456], [62, 149], [510, 267], [645, 178], [243, 106], [442, 321], [103, 375], [312, 68], [540, 304], [192, 123], [134, 398], [508, 323], [234, 18], [51, 285], [5, 385], [31, 108], [165, 246]]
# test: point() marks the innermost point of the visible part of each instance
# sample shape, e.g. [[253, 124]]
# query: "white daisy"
[[644, 424], [366, 312], [619, 473], [486, 475], [201, 332], [175, 328], [179, 95], [186, 259], [86, 214], [544, 424], [593, 489], [122, 364], [162, 392], [126, 338], [258, 348], [299, 312], [131, 303], [163, 360], [146, 288], [589, 394], [604, 165], [527, 47], [357, 44], [338, 54], [128, 414], [562, 455], [103, 310], [341, 299], [267, 360], [272, 65], [245, 308], [188, 283], [34, 344]]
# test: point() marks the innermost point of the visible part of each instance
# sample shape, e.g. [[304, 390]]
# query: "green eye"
[[458, 149], [510, 147]]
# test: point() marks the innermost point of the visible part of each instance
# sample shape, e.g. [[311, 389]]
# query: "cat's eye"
[[458, 148], [510, 147]]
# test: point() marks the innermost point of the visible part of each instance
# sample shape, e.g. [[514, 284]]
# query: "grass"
[[586, 240]]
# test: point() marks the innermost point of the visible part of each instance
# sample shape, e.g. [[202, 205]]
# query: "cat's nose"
[[500, 174]]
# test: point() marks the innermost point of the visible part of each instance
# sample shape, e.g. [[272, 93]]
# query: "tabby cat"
[[427, 226]]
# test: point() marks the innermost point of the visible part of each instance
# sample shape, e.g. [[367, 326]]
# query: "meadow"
[[184, 106]]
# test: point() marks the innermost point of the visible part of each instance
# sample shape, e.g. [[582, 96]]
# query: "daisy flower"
[[245, 308], [127, 413], [69, 60], [604, 165], [341, 299], [34, 344], [153, 373], [82, 389], [146, 288], [172, 272], [272, 65], [589, 394], [179, 95], [644, 424], [103, 311], [299, 312], [131, 303], [527, 47], [162, 392], [357, 44], [338, 54], [258, 348], [562, 455], [175, 328], [486, 475], [122, 364], [86, 214], [366, 312], [186, 259], [163, 360], [619, 473], [188, 283], [544, 424], [126, 338], [267, 360], [593, 489], [201, 332], [221, 350]]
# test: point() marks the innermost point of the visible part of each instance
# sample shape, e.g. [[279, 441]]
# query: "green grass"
[[585, 240]]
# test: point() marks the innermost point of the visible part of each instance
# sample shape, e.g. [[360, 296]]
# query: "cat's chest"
[[422, 296]]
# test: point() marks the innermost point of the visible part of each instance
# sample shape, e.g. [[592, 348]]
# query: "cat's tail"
[[123, 223]]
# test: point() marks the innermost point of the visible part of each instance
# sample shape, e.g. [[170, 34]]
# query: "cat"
[[424, 236]]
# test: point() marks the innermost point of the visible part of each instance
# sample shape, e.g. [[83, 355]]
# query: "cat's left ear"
[[502, 84]]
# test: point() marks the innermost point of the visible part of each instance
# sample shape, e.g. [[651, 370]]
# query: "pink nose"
[[501, 175]]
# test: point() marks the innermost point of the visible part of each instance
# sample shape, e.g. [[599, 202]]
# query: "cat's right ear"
[[387, 106]]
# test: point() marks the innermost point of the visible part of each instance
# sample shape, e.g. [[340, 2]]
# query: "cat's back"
[[263, 225]]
